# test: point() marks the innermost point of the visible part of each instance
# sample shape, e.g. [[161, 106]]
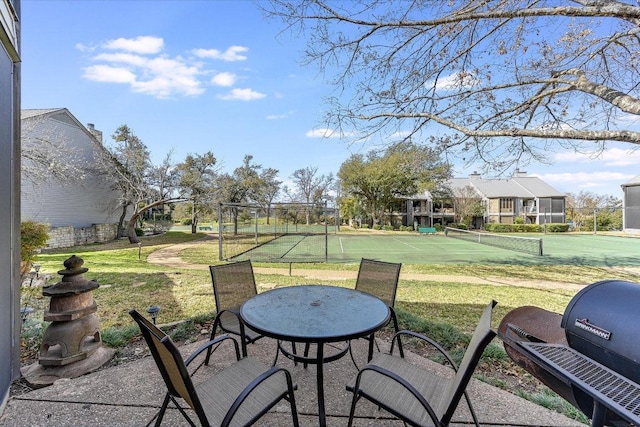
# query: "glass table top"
[[315, 313]]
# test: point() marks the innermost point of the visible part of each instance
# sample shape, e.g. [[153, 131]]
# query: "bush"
[[139, 232], [33, 237], [438, 227], [458, 226], [186, 221], [388, 228], [377, 227], [557, 228]]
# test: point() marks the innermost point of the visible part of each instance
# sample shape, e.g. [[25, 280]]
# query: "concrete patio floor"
[[130, 395]]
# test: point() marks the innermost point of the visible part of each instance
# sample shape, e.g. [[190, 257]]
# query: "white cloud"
[[327, 133], [141, 63], [280, 116], [242, 95], [109, 74], [322, 133], [454, 81], [232, 54], [141, 44], [610, 157], [84, 48], [577, 181], [224, 79]]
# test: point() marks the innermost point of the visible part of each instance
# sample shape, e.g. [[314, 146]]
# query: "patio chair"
[[233, 284], [236, 396], [415, 395], [379, 279]]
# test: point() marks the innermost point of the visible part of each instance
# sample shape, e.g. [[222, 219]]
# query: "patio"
[[131, 393]]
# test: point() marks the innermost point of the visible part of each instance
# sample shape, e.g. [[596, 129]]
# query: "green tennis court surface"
[[558, 249]]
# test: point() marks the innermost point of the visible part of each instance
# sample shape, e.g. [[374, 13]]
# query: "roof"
[[523, 187], [632, 182], [28, 113]]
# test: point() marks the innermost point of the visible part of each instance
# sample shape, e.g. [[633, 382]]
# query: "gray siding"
[[71, 203], [10, 196]]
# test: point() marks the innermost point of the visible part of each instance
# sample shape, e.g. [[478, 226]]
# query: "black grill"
[[590, 355], [606, 386]]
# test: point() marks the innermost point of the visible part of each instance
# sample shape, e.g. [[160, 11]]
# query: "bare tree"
[[48, 155], [504, 81], [309, 187]]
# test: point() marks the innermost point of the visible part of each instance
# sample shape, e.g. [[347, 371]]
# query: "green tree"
[[584, 206], [379, 180], [268, 189], [242, 186], [196, 175], [496, 81], [143, 186]]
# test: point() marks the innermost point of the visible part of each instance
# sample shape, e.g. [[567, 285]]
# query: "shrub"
[[557, 228], [186, 221], [388, 228], [460, 226], [33, 237], [377, 227], [438, 227]]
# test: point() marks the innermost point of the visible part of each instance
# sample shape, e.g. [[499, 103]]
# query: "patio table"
[[315, 314]]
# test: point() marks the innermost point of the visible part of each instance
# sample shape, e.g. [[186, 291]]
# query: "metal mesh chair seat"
[[238, 395], [218, 394], [394, 397], [415, 395]]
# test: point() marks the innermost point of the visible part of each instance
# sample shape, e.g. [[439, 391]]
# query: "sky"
[[195, 76]]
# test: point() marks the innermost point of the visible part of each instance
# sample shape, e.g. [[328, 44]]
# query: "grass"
[[446, 311]]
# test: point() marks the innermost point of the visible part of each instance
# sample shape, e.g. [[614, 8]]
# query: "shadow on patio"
[[131, 394]]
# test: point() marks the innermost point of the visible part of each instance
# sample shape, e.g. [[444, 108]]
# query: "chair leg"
[[395, 326], [163, 409], [306, 353], [213, 335]]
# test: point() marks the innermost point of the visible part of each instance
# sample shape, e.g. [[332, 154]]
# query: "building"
[[631, 205], [486, 200], [10, 196], [78, 209]]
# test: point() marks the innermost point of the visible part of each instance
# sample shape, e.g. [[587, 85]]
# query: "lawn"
[[436, 307]]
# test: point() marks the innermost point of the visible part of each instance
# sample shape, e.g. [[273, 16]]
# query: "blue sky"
[[197, 76]]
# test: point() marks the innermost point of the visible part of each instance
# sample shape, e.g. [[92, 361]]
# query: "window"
[[506, 205]]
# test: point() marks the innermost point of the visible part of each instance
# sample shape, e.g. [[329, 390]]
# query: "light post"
[[153, 312]]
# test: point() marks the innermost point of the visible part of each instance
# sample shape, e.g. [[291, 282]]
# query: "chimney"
[[93, 131], [474, 175], [519, 174]]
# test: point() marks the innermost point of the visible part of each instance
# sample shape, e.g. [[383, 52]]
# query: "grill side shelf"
[[606, 386]]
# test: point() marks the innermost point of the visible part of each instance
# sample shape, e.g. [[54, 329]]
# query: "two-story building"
[[79, 209], [489, 200]]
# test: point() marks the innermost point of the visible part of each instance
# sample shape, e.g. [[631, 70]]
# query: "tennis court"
[[559, 249]]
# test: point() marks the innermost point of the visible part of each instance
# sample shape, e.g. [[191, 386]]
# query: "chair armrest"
[[211, 343], [404, 383], [252, 386], [425, 338]]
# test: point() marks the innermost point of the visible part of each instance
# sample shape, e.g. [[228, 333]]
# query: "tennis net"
[[528, 245]]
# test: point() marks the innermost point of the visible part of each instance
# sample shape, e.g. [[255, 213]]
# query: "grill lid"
[[602, 321]]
